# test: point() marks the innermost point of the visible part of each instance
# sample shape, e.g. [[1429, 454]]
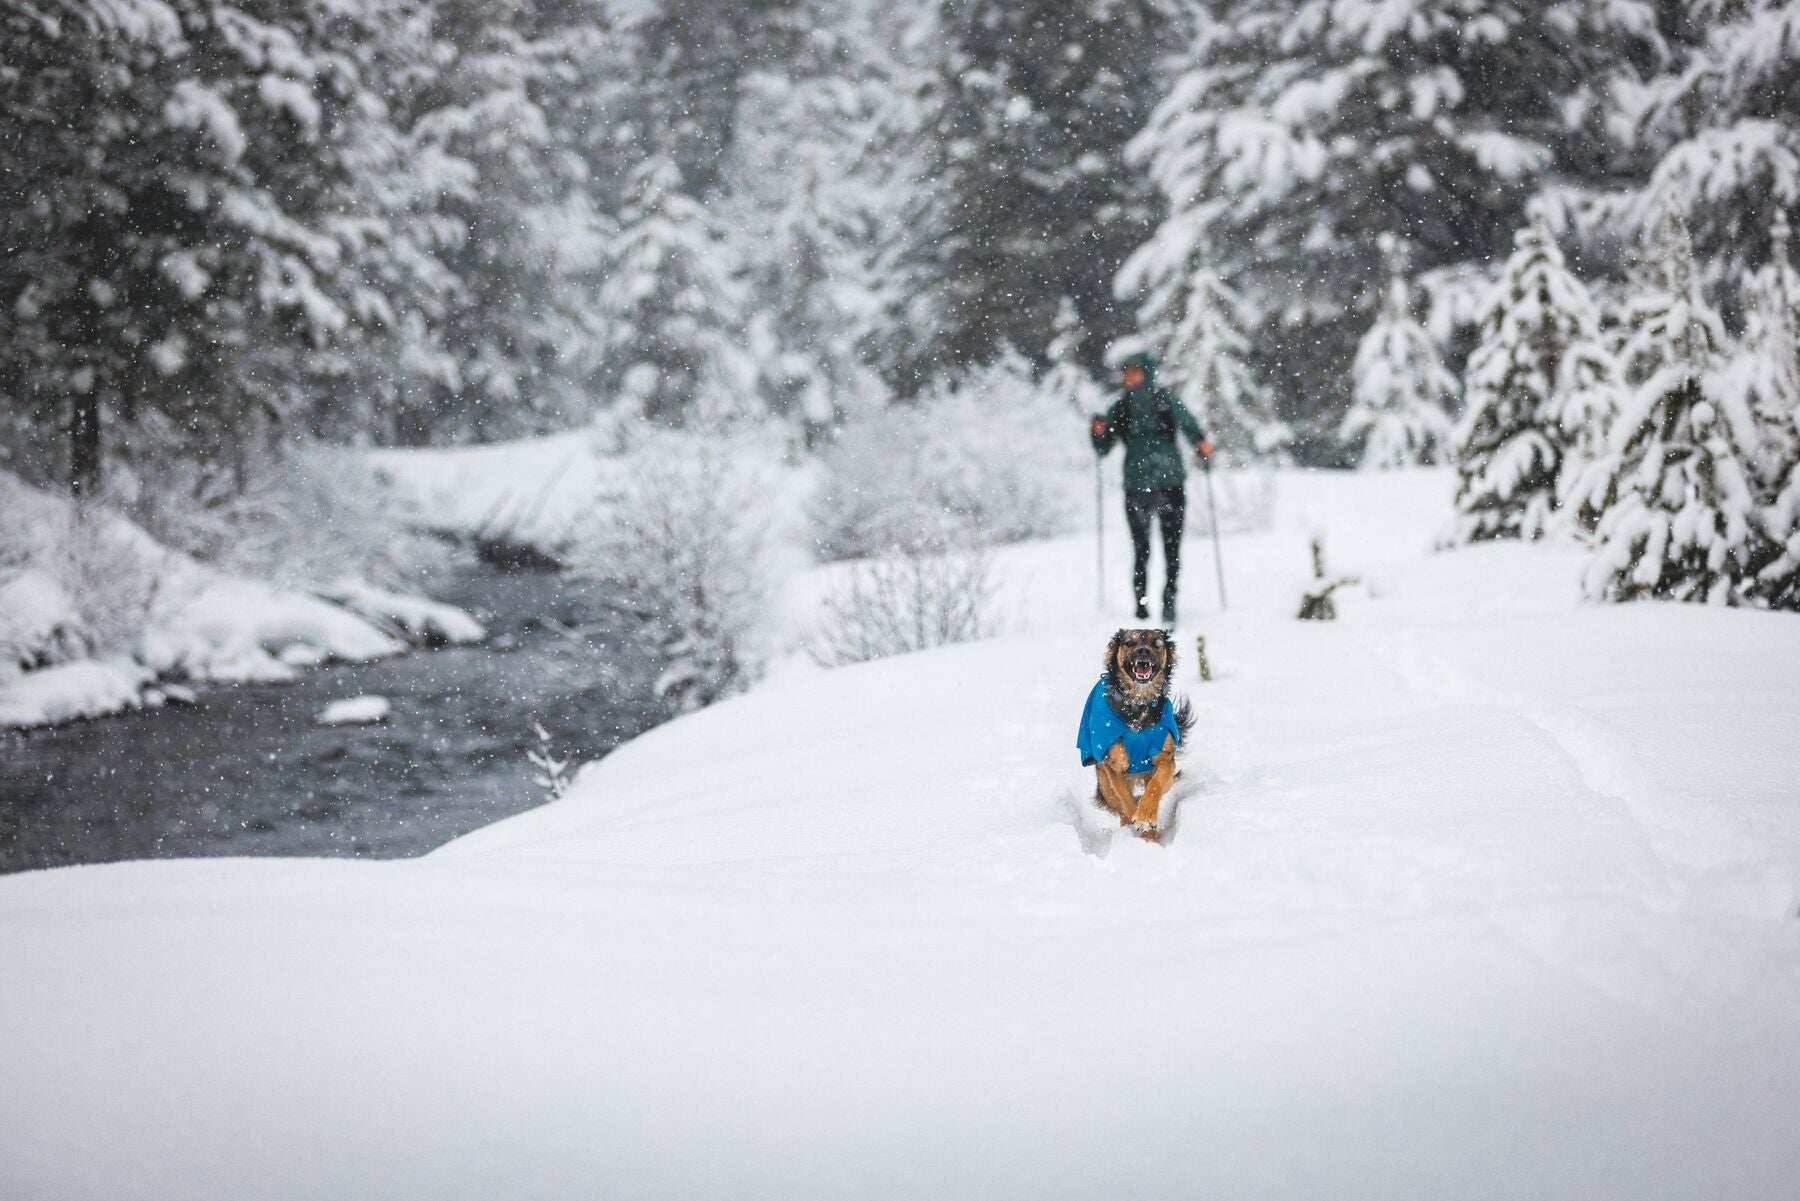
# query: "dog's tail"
[[1184, 717]]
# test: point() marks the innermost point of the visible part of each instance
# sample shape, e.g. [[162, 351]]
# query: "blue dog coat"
[[1101, 726]]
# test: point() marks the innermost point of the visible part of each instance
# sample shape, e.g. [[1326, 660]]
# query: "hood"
[[1144, 359]]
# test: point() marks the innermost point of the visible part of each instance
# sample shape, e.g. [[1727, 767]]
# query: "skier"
[[1149, 418]]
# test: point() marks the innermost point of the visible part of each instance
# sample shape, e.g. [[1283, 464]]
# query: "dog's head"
[[1139, 663]]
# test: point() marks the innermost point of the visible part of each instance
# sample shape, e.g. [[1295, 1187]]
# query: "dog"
[[1132, 732]]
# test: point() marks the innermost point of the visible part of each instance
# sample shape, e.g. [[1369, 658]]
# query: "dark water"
[[248, 772]]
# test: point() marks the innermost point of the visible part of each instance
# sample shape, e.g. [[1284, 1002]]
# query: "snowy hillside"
[[1475, 892]]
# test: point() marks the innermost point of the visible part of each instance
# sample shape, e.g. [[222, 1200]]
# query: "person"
[[1148, 419]]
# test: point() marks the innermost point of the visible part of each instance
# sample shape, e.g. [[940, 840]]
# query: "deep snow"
[[1476, 892]]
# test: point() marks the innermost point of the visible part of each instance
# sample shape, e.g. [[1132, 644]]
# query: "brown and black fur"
[[1137, 798]]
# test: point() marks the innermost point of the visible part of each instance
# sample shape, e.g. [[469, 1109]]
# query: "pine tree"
[[1539, 360], [671, 308], [1681, 526], [1765, 374], [173, 183], [1067, 378], [522, 234], [1297, 136], [1398, 412], [1035, 101], [1724, 125], [816, 189], [1199, 323]]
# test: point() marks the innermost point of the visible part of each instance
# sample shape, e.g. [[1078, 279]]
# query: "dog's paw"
[[1148, 831]]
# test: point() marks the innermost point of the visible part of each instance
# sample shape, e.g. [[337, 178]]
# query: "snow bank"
[[533, 491], [1475, 892], [70, 691], [174, 617], [541, 492]]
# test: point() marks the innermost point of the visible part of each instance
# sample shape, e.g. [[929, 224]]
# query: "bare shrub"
[[680, 556], [112, 574], [911, 601], [304, 519]]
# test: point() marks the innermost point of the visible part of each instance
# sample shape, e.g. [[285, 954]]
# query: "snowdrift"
[[167, 615], [1475, 892]]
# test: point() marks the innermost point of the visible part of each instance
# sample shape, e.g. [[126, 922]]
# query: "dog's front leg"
[[1149, 806], [1115, 789]]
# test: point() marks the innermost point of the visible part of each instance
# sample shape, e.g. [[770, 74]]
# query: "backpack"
[[1165, 414]]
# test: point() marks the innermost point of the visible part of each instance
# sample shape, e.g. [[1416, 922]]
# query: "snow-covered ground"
[[168, 616], [1475, 892]]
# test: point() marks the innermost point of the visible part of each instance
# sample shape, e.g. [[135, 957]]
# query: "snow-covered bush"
[[680, 556], [110, 575], [990, 459], [309, 518], [1682, 524], [911, 601], [1399, 412]]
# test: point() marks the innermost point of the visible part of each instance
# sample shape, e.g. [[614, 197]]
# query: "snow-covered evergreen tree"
[[1067, 378], [816, 204], [1540, 359], [1724, 125], [672, 308], [165, 176], [523, 234], [1764, 371], [1199, 323], [1034, 103], [1297, 135], [1765, 375], [1399, 410], [1682, 524]]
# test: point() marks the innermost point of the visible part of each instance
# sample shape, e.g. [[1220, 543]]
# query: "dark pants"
[[1168, 505]]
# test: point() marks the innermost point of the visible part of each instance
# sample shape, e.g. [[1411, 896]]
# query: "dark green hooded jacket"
[[1156, 418]]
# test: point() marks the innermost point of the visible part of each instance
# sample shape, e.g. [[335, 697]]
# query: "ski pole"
[[1212, 509], [1099, 537]]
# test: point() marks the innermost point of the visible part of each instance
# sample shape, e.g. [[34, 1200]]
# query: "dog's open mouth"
[[1142, 670]]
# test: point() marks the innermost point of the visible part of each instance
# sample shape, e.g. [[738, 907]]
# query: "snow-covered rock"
[[355, 711], [420, 620]]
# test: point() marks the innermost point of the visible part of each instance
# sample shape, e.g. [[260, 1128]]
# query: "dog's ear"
[[1112, 649], [1174, 655]]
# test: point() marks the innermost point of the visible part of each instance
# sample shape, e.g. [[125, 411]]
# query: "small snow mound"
[[355, 711]]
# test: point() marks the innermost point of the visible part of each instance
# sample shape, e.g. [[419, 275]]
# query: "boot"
[[1168, 612], [1143, 608]]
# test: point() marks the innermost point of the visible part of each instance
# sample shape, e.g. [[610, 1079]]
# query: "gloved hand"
[[1097, 427], [1205, 448]]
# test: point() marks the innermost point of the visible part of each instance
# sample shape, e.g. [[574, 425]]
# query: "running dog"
[[1132, 732]]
